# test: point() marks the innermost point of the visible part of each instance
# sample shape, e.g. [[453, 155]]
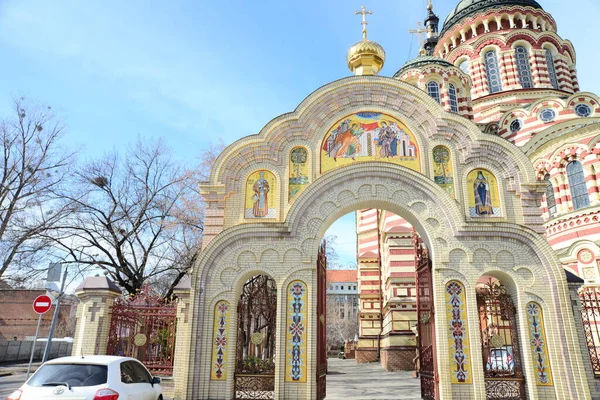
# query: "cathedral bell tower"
[[431, 26]]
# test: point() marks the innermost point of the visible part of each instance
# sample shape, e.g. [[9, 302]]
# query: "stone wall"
[[18, 320], [20, 350]]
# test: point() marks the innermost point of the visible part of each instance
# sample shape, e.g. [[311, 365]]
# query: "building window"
[[516, 125], [342, 287], [522, 56], [547, 115], [354, 287], [550, 202], [337, 287], [453, 100], [493, 71], [464, 67], [577, 184], [551, 69], [433, 89], [583, 110]]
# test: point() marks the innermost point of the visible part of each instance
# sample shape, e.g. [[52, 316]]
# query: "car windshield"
[[69, 374]]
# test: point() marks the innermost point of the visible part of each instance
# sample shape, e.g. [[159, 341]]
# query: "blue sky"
[[192, 71]]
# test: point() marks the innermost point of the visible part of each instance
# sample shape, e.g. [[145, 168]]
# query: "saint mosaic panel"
[[298, 171], [482, 194], [261, 195], [460, 359], [443, 174], [369, 136], [537, 342], [220, 331], [295, 348]]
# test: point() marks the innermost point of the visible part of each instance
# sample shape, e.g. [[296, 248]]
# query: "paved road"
[[346, 380], [10, 383]]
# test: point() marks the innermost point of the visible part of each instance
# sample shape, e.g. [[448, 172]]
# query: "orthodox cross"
[[364, 22], [420, 31], [93, 310]]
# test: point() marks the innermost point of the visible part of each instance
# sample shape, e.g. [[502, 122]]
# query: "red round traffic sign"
[[42, 304]]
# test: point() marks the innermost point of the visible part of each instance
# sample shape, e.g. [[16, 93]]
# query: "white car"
[[90, 378]]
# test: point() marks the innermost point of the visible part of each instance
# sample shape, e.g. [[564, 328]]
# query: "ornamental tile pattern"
[[458, 339], [295, 363], [537, 341], [220, 331]]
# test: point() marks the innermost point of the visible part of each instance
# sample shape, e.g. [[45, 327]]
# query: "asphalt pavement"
[[12, 376]]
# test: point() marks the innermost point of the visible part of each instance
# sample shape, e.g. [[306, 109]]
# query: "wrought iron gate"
[[425, 322], [322, 327], [503, 371], [144, 327], [590, 314], [255, 349]]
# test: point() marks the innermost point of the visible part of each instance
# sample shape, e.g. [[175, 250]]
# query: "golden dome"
[[365, 57]]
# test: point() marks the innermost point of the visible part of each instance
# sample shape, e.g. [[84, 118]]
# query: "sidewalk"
[[347, 380]]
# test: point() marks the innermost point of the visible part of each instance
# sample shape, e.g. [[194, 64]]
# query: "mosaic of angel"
[[369, 136]]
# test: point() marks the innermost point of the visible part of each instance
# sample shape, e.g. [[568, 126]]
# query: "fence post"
[[182, 338], [96, 294]]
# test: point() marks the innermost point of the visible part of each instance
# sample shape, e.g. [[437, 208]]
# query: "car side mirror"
[[155, 380]]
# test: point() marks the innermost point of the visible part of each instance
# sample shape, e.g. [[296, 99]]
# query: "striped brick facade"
[[386, 261]]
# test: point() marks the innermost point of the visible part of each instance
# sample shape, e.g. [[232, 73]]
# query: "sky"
[[192, 71]]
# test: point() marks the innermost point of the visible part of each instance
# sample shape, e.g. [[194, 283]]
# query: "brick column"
[[182, 339], [96, 294]]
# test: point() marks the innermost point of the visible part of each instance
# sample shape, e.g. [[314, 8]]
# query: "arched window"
[[433, 89], [522, 56], [577, 184], [464, 67], [551, 69], [493, 71], [452, 97], [550, 201]]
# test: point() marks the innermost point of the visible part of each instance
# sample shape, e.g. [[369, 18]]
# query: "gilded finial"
[[364, 22], [429, 5]]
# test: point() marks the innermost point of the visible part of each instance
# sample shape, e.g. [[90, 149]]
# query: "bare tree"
[[33, 176], [208, 157], [342, 317], [138, 217]]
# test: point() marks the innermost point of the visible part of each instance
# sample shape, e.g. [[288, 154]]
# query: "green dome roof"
[[422, 61], [466, 8]]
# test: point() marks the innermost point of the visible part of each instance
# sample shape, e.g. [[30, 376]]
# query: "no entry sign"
[[42, 304]]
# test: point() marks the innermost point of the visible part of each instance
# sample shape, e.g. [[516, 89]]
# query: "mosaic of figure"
[[298, 171], [483, 194], [442, 169], [368, 136], [259, 204]]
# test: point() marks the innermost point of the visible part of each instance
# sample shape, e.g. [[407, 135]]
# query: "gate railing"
[[254, 386], [590, 314], [144, 328]]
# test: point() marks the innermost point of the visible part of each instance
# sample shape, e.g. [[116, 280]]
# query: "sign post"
[[41, 305]]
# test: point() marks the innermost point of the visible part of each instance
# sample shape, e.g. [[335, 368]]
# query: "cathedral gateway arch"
[[371, 142]]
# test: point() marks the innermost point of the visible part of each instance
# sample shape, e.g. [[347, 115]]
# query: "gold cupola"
[[365, 57]]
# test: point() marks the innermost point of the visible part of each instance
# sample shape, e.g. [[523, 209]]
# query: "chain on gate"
[[144, 327]]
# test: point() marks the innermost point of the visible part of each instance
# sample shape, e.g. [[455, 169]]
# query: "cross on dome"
[[364, 22]]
